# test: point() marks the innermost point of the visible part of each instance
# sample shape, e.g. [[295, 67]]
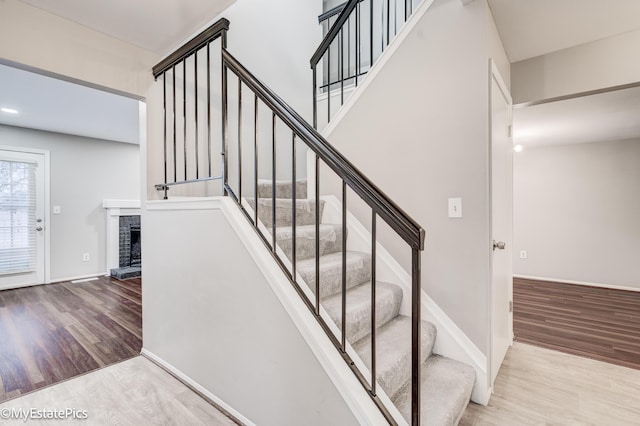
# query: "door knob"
[[39, 228], [500, 245]]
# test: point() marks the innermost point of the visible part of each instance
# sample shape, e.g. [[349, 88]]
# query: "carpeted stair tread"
[[330, 239], [393, 350], [358, 271], [283, 188], [305, 211], [388, 299], [446, 391]]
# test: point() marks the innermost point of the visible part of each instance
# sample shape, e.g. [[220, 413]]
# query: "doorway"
[[576, 229], [24, 234]]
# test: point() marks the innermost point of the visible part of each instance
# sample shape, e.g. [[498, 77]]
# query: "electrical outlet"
[[85, 257], [523, 254]]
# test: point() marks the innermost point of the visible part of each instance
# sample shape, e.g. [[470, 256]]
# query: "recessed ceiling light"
[[518, 148], [9, 110]]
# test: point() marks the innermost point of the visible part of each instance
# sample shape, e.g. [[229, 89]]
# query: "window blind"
[[17, 217]]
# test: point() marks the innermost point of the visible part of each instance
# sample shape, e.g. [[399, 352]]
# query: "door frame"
[[494, 74], [47, 204]]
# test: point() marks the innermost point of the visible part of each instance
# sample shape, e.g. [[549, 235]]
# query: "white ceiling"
[[151, 24], [596, 118], [46, 103], [530, 28]]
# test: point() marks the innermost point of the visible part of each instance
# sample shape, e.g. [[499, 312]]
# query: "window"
[[17, 217]]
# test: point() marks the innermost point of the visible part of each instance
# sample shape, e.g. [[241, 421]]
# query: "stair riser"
[[358, 271], [306, 245], [283, 189], [305, 212], [359, 317]]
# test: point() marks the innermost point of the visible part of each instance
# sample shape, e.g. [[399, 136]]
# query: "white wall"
[[84, 172], [209, 312], [40, 39], [275, 41], [604, 63], [576, 212], [420, 132]]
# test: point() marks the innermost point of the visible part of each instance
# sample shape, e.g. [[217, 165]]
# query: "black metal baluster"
[[388, 21], [416, 333], [341, 65], [239, 140], [209, 109], [358, 57], [373, 302], [273, 179], [175, 136], [195, 102], [344, 266], [329, 83], [370, 34], [293, 208], [395, 17], [349, 48], [225, 118], [164, 110], [184, 113], [255, 158], [315, 98], [225, 164], [317, 189]]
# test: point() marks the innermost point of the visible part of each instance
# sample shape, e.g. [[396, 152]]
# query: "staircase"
[[390, 351], [446, 384]]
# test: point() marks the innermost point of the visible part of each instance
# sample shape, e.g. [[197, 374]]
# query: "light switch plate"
[[56, 209], [455, 207]]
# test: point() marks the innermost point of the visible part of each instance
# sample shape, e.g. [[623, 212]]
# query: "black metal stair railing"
[[170, 67], [352, 43], [242, 94]]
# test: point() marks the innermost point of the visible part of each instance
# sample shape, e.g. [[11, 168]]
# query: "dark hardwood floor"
[[593, 322], [53, 332]]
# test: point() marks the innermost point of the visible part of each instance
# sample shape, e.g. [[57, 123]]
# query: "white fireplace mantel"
[[115, 209]]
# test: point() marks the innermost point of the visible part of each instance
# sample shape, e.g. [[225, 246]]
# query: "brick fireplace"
[[124, 254]]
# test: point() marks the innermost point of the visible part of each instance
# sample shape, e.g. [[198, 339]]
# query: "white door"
[[501, 147], [22, 218]]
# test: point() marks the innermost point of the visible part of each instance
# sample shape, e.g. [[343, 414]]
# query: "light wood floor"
[[133, 392], [538, 386]]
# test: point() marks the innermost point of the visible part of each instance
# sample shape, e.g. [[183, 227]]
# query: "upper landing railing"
[[255, 126], [356, 34]]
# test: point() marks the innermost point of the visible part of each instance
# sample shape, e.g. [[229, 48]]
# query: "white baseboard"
[[214, 400], [79, 277], [57, 280], [588, 284], [451, 341]]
